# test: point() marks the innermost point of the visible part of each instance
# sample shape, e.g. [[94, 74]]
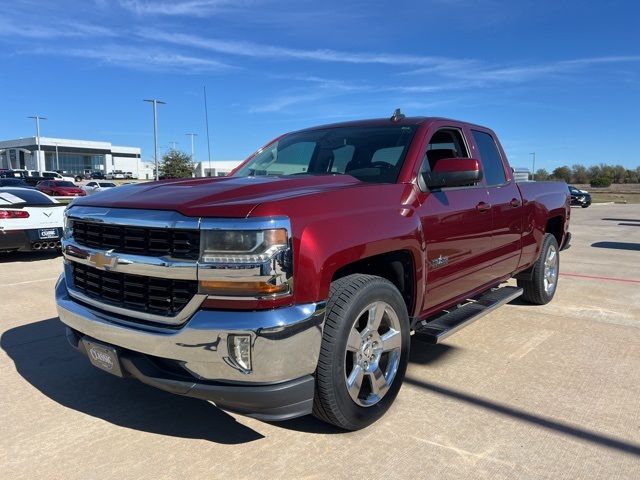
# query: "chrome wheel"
[[551, 270], [373, 353]]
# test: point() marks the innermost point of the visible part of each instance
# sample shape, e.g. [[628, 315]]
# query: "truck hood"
[[215, 197]]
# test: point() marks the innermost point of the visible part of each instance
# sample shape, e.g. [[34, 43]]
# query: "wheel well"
[[397, 267], [555, 226]]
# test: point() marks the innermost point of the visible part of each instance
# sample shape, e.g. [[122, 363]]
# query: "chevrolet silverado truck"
[[293, 285]]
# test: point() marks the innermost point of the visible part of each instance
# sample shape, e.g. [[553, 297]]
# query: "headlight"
[[248, 263], [242, 247]]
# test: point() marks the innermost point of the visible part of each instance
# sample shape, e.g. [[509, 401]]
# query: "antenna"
[[397, 115]]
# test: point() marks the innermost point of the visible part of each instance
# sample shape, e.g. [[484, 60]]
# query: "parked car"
[[83, 176], [579, 197], [94, 187], [97, 175], [293, 285], [60, 188], [29, 220], [115, 175], [57, 176], [14, 182], [13, 174]]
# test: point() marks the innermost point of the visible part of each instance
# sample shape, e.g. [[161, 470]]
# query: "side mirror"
[[452, 172]]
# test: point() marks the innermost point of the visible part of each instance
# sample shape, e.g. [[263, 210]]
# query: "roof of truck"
[[379, 122]]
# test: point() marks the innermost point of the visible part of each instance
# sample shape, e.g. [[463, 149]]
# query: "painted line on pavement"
[[29, 281], [597, 277]]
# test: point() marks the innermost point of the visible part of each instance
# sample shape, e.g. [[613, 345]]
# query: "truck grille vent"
[[159, 296], [183, 244]]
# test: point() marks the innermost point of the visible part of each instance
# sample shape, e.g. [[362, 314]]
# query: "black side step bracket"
[[451, 321]]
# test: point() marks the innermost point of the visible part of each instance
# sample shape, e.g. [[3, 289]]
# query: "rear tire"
[[364, 352], [544, 278]]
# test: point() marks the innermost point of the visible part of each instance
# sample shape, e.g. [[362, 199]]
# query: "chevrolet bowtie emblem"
[[104, 260]]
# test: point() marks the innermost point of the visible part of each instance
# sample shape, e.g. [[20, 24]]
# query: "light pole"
[[533, 167], [155, 103], [206, 119], [57, 159], [173, 145], [193, 152], [37, 119]]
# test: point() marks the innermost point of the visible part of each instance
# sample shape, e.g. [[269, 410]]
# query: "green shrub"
[[601, 182]]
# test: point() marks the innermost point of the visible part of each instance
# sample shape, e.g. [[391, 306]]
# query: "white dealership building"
[[80, 156], [71, 156]]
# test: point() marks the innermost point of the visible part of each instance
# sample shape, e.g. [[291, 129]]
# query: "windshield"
[[64, 184], [370, 154], [106, 185]]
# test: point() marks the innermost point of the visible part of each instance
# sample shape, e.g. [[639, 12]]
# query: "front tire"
[[542, 286], [364, 352]]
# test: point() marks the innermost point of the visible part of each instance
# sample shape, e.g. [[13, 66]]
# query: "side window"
[[445, 143], [490, 158]]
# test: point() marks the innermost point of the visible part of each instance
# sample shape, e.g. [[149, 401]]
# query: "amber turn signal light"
[[241, 289]]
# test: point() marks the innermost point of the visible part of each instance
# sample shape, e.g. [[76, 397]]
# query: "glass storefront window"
[[74, 162]]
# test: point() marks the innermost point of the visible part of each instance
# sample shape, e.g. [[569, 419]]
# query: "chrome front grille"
[[158, 296], [156, 242]]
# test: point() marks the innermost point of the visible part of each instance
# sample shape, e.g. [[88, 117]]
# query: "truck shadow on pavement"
[[6, 257], [617, 245], [539, 421], [43, 357]]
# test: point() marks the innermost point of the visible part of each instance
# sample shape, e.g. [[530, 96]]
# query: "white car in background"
[[54, 176], [29, 220], [95, 186]]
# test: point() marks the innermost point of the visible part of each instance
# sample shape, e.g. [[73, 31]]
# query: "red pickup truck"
[[293, 285]]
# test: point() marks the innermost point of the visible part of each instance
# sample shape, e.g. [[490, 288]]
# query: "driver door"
[[457, 226]]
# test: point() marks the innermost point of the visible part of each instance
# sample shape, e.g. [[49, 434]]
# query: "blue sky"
[[561, 78]]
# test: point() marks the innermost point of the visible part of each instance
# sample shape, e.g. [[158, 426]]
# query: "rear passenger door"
[[505, 201]]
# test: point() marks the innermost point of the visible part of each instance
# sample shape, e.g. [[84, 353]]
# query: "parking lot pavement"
[[527, 392]]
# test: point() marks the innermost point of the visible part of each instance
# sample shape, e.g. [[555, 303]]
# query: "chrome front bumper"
[[285, 341]]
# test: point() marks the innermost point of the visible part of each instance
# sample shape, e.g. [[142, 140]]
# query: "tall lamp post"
[[533, 167], [193, 152], [155, 103], [206, 119], [37, 118]]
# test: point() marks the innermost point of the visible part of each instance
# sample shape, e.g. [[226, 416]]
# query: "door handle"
[[515, 202], [483, 206]]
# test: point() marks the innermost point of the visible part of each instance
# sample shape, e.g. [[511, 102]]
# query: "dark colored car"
[[14, 182], [60, 188], [579, 197]]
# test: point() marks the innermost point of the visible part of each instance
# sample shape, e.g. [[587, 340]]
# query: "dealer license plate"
[[105, 357], [48, 233]]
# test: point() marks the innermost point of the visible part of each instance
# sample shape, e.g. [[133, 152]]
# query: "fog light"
[[239, 347]]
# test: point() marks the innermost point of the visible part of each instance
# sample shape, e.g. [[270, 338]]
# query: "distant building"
[[521, 174], [215, 168], [70, 156]]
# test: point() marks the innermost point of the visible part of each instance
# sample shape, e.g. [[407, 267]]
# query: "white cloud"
[[58, 29], [256, 50], [195, 8], [142, 59]]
